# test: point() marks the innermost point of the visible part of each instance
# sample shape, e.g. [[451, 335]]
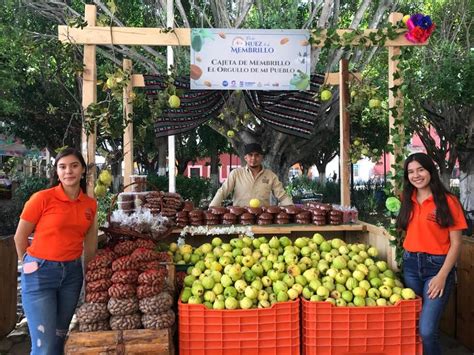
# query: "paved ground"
[[452, 347], [18, 343]]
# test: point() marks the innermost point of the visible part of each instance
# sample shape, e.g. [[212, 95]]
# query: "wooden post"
[[394, 99], [8, 291], [344, 132], [89, 96], [465, 297], [128, 132], [28, 167], [39, 171], [48, 161]]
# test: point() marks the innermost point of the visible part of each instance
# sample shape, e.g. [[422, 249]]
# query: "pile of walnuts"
[[127, 287]]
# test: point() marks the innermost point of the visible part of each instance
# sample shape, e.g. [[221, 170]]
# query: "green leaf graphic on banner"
[[300, 80], [196, 43], [198, 37]]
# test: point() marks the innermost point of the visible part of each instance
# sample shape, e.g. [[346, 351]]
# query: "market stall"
[[127, 287], [127, 282]]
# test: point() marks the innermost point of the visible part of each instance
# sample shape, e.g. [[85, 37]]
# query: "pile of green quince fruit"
[[103, 183], [258, 272], [186, 254]]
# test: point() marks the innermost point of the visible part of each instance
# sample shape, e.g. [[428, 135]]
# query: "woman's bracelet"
[[20, 260]]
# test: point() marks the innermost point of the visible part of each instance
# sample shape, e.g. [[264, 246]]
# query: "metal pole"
[[230, 158], [171, 140]]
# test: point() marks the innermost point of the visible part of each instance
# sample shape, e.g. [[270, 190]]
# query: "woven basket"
[[124, 233]]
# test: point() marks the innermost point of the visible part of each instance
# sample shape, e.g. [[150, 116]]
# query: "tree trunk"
[[466, 183], [214, 171], [162, 144], [445, 177], [279, 165], [322, 177], [321, 166], [305, 170], [116, 170], [182, 165]]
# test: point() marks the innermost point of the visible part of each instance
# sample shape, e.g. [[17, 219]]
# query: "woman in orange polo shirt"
[[61, 220], [433, 220]]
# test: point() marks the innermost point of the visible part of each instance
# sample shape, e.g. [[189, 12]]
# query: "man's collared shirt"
[[246, 187]]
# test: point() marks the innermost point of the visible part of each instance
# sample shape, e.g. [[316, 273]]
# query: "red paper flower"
[[420, 28]]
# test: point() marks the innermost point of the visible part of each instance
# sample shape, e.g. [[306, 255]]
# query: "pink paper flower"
[[420, 28]]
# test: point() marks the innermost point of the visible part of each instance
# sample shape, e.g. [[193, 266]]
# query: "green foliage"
[[103, 208], [9, 216], [161, 101], [303, 187], [27, 186], [10, 210], [193, 189], [37, 81], [455, 190], [367, 197], [356, 38], [367, 119], [454, 66], [270, 15]]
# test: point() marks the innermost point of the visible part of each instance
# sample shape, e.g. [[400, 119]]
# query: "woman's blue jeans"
[[49, 297], [418, 270]]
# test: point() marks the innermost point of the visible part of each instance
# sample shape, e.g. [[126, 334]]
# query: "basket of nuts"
[[140, 214]]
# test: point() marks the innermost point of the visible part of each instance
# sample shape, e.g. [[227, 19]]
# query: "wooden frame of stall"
[[91, 35]]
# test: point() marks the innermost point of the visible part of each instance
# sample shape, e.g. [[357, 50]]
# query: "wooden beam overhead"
[[125, 36], [333, 78], [148, 36], [399, 41]]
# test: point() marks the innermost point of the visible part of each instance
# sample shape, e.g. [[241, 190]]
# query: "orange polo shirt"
[[60, 223], [424, 234]]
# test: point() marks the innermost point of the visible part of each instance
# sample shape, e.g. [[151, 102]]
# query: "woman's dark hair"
[[439, 191], [63, 153]]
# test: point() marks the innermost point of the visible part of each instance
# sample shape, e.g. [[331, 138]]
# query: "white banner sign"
[[236, 59]]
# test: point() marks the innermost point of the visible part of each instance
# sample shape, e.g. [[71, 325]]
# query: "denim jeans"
[[418, 270], [50, 295]]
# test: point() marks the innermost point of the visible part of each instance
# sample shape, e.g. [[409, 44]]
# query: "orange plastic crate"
[[388, 330], [274, 330]]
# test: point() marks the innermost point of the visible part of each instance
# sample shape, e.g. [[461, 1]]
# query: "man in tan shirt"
[[252, 181]]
